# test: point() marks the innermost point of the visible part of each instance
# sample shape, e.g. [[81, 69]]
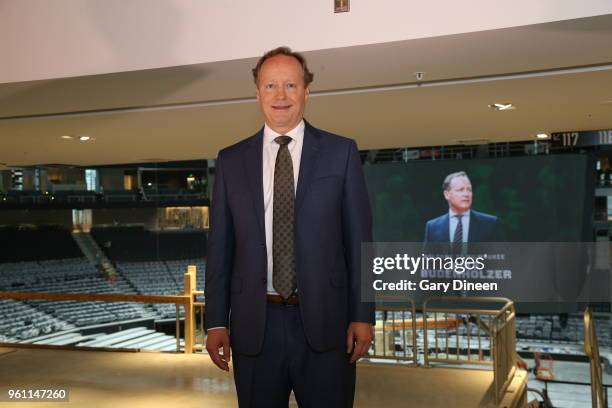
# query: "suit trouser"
[[286, 362]]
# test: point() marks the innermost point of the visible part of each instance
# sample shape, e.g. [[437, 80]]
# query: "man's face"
[[281, 92], [459, 194]]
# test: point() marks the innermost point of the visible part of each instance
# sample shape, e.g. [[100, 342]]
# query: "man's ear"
[[307, 93], [257, 93], [446, 194]]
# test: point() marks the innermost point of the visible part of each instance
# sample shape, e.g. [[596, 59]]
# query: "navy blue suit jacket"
[[332, 218], [483, 228]]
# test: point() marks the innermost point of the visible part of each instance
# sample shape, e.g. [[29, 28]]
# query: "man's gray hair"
[[450, 177]]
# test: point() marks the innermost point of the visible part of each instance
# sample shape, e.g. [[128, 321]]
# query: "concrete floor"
[[140, 379]]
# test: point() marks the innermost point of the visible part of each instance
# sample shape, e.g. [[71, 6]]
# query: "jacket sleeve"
[[220, 253], [356, 228]]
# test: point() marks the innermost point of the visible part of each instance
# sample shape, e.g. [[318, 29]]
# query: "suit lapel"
[[307, 162], [445, 229], [254, 171], [473, 230]]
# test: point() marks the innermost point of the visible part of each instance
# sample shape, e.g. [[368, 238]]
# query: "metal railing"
[[599, 398], [194, 326], [461, 336], [396, 320], [464, 333]]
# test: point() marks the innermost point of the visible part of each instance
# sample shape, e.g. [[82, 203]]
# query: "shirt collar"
[[297, 133], [451, 214]]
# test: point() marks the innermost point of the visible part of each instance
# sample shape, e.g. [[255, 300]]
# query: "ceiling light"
[[84, 138], [542, 136], [66, 137], [502, 106]]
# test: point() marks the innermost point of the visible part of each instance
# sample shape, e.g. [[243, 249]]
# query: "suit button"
[[264, 280]]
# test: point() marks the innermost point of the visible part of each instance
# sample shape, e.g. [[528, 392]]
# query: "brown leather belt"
[[279, 300]]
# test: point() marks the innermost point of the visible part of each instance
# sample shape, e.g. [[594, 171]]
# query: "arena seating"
[[161, 278], [21, 321], [73, 275], [549, 328], [47, 259]]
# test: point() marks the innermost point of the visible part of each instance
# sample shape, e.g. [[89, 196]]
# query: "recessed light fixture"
[[84, 138], [502, 106], [66, 137], [542, 136]]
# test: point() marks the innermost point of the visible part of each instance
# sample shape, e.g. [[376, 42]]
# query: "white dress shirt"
[[465, 224], [270, 150]]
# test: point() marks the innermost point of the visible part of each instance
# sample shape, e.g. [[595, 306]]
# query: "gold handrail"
[[95, 297], [591, 348], [499, 328]]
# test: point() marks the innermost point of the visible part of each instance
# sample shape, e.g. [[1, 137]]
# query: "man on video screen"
[[461, 224]]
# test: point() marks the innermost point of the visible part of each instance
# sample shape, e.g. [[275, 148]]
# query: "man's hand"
[[358, 338], [219, 339]]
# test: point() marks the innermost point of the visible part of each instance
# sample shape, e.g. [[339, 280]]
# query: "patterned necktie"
[[458, 238], [283, 258]]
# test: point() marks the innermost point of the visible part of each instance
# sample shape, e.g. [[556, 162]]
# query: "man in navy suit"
[[289, 213], [461, 224]]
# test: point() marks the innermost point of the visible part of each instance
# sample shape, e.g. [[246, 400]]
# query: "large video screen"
[[531, 215], [534, 198]]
